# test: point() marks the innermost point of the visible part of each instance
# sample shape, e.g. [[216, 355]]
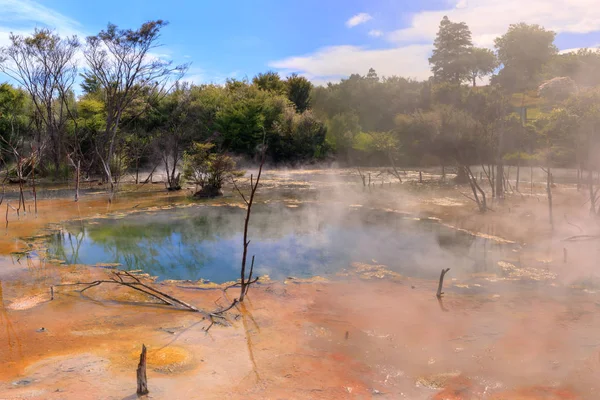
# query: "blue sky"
[[321, 39]]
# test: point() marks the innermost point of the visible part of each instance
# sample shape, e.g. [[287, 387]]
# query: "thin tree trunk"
[[77, 175], [518, 173], [33, 187], [592, 193], [499, 181], [531, 178], [549, 192]]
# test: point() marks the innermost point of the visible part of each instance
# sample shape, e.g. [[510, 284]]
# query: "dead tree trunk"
[[531, 177], [477, 191], [518, 173], [549, 192], [253, 187], [500, 181], [142, 380], [77, 177], [592, 192], [33, 188], [441, 284], [489, 173], [362, 176]]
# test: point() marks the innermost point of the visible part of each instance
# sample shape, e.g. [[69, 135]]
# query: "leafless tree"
[[246, 282], [127, 72], [44, 65]]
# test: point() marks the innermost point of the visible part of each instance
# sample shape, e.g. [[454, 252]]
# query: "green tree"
[[208, 169], [523, 50], [452, 52], [298, 92], [483, 63], [270, 80]]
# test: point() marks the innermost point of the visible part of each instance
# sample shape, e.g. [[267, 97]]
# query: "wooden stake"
[[142, 380], [439, 291]]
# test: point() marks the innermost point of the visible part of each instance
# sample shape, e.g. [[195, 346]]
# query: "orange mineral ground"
[[368, 334]]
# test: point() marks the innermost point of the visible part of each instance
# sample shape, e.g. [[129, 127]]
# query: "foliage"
[[133, 114], [205, 168], [271, 81], [523, 51], [483, 63], [298, 92], [451, 55]]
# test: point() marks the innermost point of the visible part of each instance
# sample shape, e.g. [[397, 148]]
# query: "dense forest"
[[107, 106]]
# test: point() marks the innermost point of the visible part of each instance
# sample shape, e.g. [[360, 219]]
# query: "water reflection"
[[307, 240]]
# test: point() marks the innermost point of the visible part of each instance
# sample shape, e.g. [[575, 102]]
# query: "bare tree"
[[44, 65], [174, 135], [246, 282], [121, 62]]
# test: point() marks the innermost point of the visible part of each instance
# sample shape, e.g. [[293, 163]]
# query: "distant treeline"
[[135, 110]]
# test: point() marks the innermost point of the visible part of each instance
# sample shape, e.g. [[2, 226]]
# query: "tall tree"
[[483, 63], [121, 61], [270, 80], [523, 51], [298, 92], [452, 52], [44, 65]]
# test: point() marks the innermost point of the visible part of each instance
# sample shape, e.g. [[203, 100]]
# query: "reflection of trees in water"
[[312, 237], [481, 252], [13, 342]]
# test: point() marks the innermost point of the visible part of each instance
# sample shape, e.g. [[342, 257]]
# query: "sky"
[[324, 40]]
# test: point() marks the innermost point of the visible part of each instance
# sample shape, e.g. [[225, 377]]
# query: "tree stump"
[[142, 380]]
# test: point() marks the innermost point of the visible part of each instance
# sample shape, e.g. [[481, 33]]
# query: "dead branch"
[[439, 291], [216, 313], [250, 275], [136, 284], [253, 188], [468, 197], [239, 191], [580, 237], [567, 221]]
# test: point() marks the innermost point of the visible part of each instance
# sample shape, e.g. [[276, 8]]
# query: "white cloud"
[[375, 33], [332, 63], [27, 14], [489, 19], [358, 19], [199, 76], [462, 4], [576, 49]]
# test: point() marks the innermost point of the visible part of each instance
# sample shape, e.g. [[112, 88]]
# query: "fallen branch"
[[567, 221], [580, 237], [439, 291], [136, 284]]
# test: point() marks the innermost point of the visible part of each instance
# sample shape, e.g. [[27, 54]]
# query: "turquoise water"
[[206, 242]]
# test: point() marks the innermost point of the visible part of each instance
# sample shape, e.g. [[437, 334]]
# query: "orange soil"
[[357, 338]]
